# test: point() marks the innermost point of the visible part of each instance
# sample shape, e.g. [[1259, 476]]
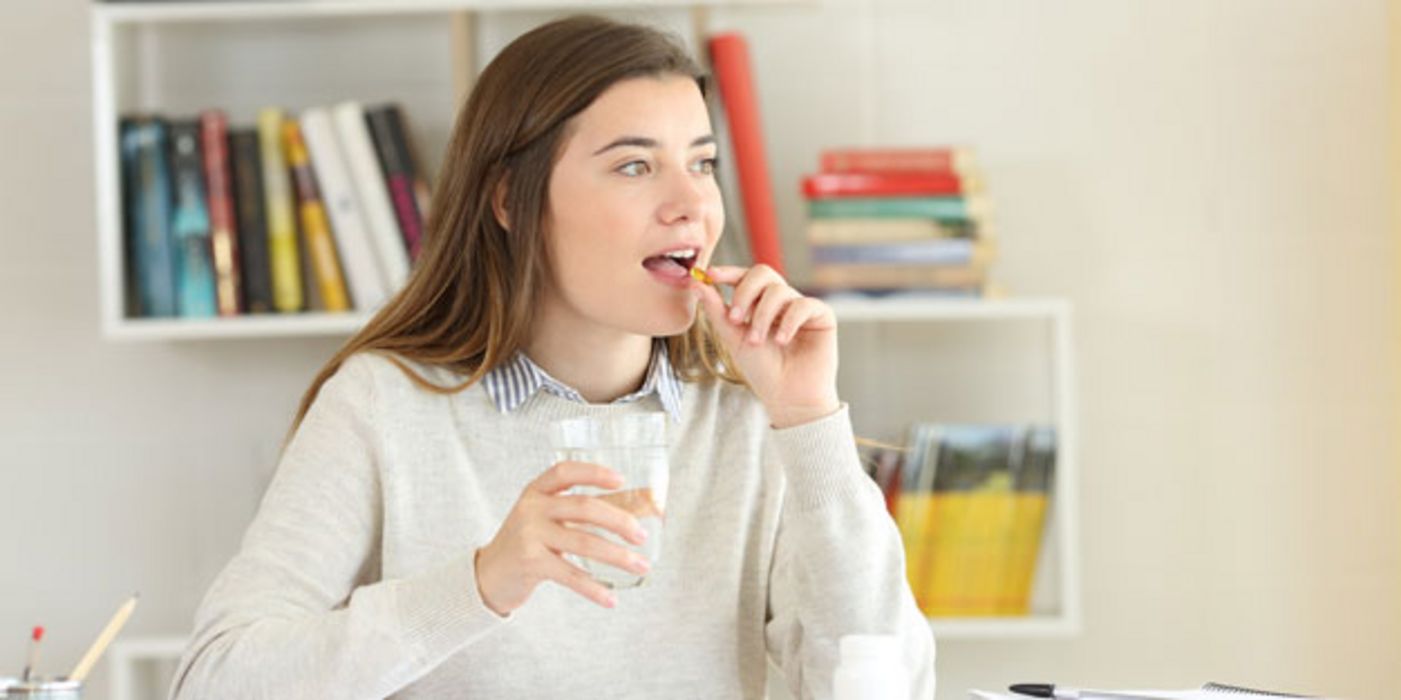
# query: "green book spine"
[[954, 209]]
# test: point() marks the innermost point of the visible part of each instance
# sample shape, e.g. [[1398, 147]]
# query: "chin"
[[668, 321]]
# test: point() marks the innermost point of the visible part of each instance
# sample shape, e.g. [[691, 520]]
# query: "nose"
[[686, 197]]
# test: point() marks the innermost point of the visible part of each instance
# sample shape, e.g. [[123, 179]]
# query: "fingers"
[[714, 307], [598, 512], [748, 289], [566, 475], [586, 544], [570, 576], [804, 313], [774, 299], [762, 302]]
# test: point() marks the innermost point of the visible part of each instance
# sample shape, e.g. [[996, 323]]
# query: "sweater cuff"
[[442, 609], [820, 460]]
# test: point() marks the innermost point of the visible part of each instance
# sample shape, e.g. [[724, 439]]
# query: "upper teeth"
[[681, 254]]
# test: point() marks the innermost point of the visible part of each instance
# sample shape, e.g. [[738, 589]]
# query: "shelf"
[[257, 326], [344, 324], [145, 12], [852, 308], [1003, 628]]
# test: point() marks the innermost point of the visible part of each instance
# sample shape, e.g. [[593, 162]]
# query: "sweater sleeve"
[[838, 564], [299, 611]]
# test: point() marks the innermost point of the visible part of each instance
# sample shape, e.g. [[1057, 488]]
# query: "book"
[[986, 529], [194, 269], [423, 195], [729, 55], [316, 230], [223, 240], [946, 251], [914, 505], [373, 193], [894, 276], [397, 166], [889, 230], [367, 286], [246, 163], [126, 176], [862, 184], [883, 160], [953, 209], [284, 256], [733, 246], [152, 248]]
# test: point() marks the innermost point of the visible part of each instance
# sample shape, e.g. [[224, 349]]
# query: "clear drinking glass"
[[634, 445]]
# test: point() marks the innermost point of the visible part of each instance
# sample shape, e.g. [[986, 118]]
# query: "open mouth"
[[676, 262]]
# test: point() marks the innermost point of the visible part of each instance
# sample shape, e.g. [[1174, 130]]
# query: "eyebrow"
[[644, 142]]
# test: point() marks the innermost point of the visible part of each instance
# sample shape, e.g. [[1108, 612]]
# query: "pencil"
[[33, 652], [108, 634]]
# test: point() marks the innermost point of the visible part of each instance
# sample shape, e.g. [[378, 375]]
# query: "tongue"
[[664, 265]]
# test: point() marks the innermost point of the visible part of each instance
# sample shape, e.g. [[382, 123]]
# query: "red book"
[[729, 56], [884, 185], [897, 160], [223, 236]]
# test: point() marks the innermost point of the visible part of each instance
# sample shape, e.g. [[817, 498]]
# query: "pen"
[[1049, 690], [1045, 690]]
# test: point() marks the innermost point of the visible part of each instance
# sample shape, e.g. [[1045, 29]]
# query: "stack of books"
[[898, 220], [970, 502], [321, 212]]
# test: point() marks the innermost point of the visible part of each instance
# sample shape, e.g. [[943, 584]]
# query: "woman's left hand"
[[784, 343]]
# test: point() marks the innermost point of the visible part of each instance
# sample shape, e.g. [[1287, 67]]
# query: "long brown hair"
[[467, 305]]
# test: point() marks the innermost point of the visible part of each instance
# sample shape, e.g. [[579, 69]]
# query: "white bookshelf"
[[1007, 360], [251, 326], [163, 57], [177, 58]]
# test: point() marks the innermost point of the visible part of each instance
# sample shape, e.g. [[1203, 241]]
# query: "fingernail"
[[639, 535], [735, 314], [610, 600], [641, 565]]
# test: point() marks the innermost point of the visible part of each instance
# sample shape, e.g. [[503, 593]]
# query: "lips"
[[669, 263], [672, 271]]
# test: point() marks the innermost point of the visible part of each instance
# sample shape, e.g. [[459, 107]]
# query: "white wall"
[[1206, 180]]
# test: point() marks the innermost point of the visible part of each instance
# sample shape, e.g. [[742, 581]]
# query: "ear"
[[498, 204]]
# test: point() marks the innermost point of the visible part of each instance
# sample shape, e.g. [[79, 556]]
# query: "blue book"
[[194, 264], [149, 207], [944, 251]]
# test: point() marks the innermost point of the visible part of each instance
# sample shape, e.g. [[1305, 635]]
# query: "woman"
[[404, 543]]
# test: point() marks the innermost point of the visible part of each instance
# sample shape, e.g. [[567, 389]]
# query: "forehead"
[[668, 108]]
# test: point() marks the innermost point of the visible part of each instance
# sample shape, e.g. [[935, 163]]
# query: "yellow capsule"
[[702, 275]]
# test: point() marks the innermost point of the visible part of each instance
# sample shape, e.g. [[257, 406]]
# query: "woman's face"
[[633, 187]]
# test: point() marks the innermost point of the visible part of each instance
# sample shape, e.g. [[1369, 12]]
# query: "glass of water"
[[635, 446]]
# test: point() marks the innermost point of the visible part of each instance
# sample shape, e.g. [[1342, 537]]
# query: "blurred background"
[[1209, 185]]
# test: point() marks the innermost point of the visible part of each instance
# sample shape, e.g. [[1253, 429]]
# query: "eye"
[[634, 168], [707, 165]]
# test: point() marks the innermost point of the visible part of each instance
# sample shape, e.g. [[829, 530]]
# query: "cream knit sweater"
[[356, 580]]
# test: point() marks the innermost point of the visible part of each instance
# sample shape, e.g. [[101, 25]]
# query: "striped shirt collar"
[[511, 384]]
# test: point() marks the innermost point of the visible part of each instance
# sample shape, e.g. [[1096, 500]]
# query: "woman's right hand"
[[543, 526]]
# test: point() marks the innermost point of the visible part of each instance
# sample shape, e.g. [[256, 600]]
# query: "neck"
[[602, 364]]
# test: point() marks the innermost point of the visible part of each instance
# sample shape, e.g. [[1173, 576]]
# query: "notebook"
[[1210, 691]]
